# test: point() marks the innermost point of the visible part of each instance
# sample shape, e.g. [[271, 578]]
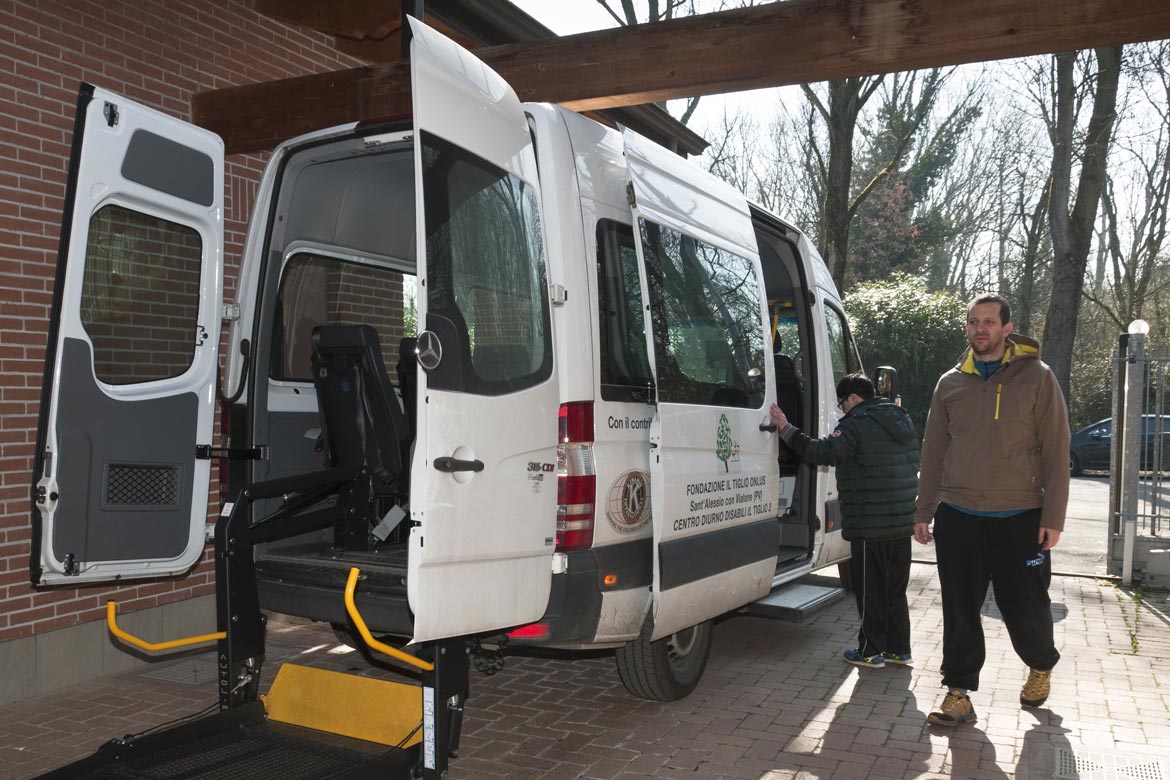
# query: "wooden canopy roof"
[[788, 42]]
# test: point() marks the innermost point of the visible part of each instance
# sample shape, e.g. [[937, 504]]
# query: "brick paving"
[[776, 703]]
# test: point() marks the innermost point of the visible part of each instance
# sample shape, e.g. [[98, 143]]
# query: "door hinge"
[[231, 312], [71, 567], [207, 452], [44, 495], [633, 200]]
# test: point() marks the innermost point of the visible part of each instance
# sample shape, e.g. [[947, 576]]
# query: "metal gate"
[[1139, 498]]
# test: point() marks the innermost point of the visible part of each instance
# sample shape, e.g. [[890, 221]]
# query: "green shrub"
[[898, 322]]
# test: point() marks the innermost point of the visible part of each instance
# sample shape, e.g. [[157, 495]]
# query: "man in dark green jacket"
[[875, 450]]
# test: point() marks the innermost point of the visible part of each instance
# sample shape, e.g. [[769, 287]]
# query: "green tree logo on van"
[[723, 441]]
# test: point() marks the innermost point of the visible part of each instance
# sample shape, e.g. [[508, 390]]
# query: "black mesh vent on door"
[[141, 486]]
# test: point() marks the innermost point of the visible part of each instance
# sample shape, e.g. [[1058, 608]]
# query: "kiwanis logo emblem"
[[627, 507]]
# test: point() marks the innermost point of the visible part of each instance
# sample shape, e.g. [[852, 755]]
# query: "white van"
[[544, 350]]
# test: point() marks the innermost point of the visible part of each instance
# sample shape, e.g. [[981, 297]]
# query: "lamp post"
[[1130, 443]]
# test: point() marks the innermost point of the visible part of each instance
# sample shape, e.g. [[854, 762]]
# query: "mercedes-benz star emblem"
[[429, 350]]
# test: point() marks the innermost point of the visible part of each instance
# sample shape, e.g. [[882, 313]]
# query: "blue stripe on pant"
[[974, 551]]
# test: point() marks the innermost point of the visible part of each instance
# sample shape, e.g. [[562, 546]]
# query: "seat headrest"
[[327, 338]]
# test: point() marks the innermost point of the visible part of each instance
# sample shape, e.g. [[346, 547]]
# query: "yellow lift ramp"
[[379, 711]]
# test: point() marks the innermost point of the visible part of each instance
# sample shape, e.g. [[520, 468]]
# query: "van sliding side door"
[[483, 478], [714, 473], [129, 389]]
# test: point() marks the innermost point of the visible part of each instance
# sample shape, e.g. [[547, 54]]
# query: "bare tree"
[[1072, 229], [1132, 242], [845, 100], [1020, 197], [912, 96]]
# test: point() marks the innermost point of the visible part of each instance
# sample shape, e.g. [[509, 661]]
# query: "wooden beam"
[[791, 42], [370, 30], [353, 19]]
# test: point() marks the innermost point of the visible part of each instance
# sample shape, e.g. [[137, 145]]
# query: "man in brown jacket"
[[994, 479]]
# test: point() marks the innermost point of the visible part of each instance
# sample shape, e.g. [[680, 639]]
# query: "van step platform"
[[796, 601], [309, 583], [238, 744]]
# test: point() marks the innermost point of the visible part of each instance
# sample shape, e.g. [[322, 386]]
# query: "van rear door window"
[[485, 273], [706, 317], [140, 296]]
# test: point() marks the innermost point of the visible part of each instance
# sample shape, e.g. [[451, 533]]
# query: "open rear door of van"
[[119, 490], [714, 473], [483, 477]]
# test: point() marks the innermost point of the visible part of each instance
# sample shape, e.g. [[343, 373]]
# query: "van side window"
[[625, 369], [140, 296], [706, 321], [317, 290], [487, 298], [842, 351]]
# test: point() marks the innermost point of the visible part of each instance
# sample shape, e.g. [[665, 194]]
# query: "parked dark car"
[[1090, 446]]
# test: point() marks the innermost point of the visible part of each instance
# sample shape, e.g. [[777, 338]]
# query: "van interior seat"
[[362, 423]]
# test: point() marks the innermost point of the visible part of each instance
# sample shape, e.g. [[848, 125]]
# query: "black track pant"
[[973, 551], [881, 571]]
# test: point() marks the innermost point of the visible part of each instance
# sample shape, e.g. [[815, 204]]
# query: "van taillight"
[[530, 631], [576, 478]]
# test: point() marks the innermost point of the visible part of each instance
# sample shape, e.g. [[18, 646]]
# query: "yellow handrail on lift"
[[363, 629], [112, 622]]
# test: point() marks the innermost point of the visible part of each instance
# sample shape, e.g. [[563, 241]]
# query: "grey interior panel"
[[363, 203], [170, 167], [778, 260], [126, 469], [290, 452]]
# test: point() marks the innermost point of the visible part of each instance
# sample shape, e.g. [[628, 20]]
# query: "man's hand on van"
[[778, 418], [922, 533]]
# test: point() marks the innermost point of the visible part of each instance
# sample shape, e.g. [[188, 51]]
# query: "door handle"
[[449, 464], [770, 427]]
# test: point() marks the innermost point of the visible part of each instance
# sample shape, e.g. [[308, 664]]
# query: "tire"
[[845, 574], [1074, 466], [666, 670]]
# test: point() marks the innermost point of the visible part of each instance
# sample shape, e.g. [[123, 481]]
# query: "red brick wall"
[[158, 54]]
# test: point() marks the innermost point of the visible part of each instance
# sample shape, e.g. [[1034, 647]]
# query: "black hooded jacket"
[[875, 450]]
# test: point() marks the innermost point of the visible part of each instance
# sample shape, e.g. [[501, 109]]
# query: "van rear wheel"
[[666, 670]]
